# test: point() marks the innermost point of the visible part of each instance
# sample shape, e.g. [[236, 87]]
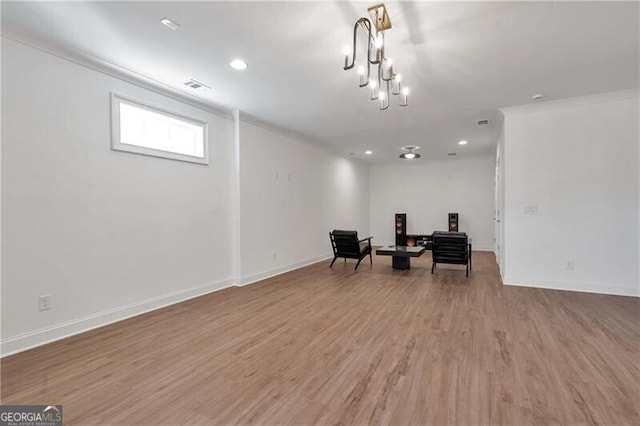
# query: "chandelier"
[[386, 82]]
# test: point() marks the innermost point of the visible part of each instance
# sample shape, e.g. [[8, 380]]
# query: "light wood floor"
[[334, 346]]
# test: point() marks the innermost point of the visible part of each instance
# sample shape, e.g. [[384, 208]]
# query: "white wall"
[[428, 190], [292, 194], [110, 234], [577, 161], [107, 234]]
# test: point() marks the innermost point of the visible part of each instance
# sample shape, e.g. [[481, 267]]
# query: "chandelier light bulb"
[[379, 41], [381, 95], [409, 156], [363, 77], [403, 96], [395, 83], [347, 52], [389, 62], [374, 92]]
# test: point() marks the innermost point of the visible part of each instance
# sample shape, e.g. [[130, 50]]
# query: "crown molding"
[[300, 137], [617, 95], [27, 38]]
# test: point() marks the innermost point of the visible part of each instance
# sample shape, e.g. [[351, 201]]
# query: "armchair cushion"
[[364, 247]]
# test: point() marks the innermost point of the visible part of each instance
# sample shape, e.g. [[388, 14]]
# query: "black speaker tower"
[[401, 229], [453, 222]]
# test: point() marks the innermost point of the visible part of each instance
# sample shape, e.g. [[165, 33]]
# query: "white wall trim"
[[236, 225], [43, 336], [282, 269], [32, 339], [571, 102], [599, 288], [483, 248]]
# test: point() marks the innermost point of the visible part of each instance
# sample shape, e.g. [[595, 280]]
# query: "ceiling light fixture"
[[388, 82], [462, 143], [368, 152], [238, 64], [410, 155], [169, 23], [537, 96]]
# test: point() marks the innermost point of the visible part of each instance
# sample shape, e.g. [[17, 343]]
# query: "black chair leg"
[[433, 265], [370, 258], [467, 269], [334, 261], [359, 260]]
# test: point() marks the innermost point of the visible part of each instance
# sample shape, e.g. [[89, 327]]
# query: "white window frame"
[[117, 145]]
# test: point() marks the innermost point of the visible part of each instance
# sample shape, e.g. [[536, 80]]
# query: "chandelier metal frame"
[[387, 82]]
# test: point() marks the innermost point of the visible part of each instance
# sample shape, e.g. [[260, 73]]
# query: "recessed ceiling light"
[[537, 96], [169, 23], [462, 143], [238, 64], [368, 152]]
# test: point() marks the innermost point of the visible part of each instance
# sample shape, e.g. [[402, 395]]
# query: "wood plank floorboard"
[[339, 347]]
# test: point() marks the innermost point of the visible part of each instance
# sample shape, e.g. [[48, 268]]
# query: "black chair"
[[450, 247], [346, 244]]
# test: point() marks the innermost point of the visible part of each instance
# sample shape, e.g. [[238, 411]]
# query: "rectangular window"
[[143, 129]]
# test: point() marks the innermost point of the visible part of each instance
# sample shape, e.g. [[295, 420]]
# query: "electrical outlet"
[[570, 265], [44, 302]]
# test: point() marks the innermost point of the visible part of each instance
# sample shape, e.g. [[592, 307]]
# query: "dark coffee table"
[[401, 255]]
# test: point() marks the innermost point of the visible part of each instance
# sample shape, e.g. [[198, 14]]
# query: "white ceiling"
[[461, 60]]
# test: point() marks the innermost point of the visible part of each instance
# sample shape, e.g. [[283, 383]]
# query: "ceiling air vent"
[[483, 122], [451, 154], [194, 84]]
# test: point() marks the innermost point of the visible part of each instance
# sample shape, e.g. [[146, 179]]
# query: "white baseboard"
[[35, 338], [600, 288], [281, 270], [32, 339]]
